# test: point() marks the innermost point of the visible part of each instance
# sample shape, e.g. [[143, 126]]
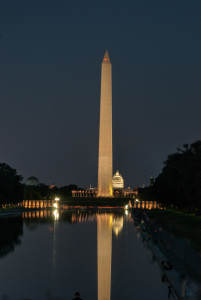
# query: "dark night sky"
[[50, 62]]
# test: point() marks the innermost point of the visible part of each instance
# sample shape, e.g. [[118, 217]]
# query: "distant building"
[[117, 181], [51, 186], [118, 189], [118, 193], [86, 193], [32, 181]]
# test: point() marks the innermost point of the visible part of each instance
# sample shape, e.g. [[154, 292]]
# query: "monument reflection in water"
[[105, 223], [104, 255]]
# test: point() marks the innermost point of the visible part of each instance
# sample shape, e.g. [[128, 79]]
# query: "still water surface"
[[51, 255]]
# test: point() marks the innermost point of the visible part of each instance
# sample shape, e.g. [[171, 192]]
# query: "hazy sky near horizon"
[[50, 64]]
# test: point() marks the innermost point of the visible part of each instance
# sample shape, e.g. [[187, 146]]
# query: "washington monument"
[[105, 130]]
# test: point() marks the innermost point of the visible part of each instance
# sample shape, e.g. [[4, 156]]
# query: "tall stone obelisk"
[[105, 130]]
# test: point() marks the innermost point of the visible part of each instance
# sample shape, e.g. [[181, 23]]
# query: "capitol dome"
[[117, 181], [32, 181]]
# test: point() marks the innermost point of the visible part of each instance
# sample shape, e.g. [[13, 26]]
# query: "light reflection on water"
[[97, 253]]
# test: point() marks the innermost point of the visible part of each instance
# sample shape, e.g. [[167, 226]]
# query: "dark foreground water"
[[51, 255]]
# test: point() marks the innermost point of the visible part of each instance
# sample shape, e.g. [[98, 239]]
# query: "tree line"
[[11, 187], [12, 190], [179, 183], [45, 192]]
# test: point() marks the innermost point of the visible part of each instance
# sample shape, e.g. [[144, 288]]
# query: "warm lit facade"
[[105, 130], [88, 193], [37, 203], [117, 193], [117, 181]]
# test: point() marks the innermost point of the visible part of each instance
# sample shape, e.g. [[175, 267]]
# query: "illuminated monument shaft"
[[105, 130]]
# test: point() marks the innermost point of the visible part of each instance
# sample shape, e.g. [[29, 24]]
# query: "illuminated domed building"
[[118, 190], [33, 181], [117, 181]]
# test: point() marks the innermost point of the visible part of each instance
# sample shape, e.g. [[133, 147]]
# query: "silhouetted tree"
[[66, 191], [11, 188], [180, 180], [38, 192], [42, 192]]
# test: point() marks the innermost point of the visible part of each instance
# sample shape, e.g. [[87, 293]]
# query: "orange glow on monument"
[[105, 131]]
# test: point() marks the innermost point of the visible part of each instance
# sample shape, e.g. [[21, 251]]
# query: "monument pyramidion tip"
[[106, 57]]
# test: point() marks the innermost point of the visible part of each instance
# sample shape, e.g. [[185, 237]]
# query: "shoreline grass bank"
[[180, 224]]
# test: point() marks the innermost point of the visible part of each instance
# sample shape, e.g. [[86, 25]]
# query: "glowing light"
[[126, 212], [56, 199], [126, 206], [117, 224], [55, 205], [137, 200], [56, 215]]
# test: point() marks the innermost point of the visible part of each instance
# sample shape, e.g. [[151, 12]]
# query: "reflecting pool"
[[53, 254]]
